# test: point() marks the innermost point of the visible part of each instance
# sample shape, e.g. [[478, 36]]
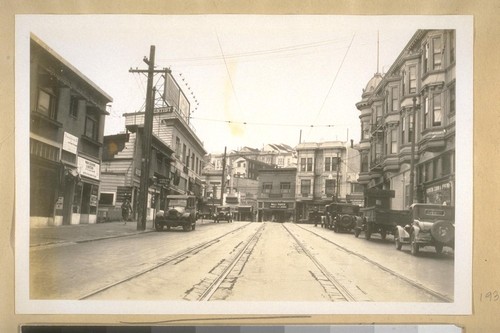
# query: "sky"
[[250, 79]]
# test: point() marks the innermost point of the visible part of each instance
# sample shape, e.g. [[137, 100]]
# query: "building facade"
[[67, 115], [276, 197], [326, 172], [121, 174], [408, 123]]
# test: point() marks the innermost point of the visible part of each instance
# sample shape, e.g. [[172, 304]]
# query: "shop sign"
[[60, 203], [278, 205], [93, 200], [88, 168], [70, 143]]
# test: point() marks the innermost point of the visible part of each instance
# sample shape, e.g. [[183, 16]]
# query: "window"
[[357, 188], [46, 104], [267, 187], [302, 164], [73, 107], [394, 99], [426, 58], [192, 161], [107, 199], [394, 141], [410, 128], [413, 79], [285, 187], [188, 156], [44, 150], [91, 128], [281, 161], [309, 163], [403, 129], [177, 146], [305, 186], [452, 46], [452, 100], [184, 148], [330, 187], [366, 130], [364, 161], [436, 53], [403, 82], [436, 111], [426, 111], [327, 163]]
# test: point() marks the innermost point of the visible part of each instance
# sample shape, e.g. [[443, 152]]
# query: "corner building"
[[67, 114], [413, 104]]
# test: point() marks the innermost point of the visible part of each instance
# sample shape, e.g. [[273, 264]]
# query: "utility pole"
[[412, 160], [223, 178], [146, 140], [338, 177]]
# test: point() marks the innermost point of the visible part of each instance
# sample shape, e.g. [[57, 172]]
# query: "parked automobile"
[[341, 216], [180, 212], [431, 225]]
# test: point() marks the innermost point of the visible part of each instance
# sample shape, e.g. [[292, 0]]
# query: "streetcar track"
[[217, 282], [386, 269], [175, 259], [344, 291]]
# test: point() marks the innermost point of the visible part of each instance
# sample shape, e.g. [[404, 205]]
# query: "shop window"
[[43, 184], [107, 199], [77, 198]]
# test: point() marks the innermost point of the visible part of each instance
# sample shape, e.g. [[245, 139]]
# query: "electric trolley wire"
[[259, 123]]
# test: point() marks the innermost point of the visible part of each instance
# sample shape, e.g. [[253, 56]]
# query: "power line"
[[260, 124]]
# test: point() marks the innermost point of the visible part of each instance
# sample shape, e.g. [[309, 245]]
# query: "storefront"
[[276, 211], [86, 192]]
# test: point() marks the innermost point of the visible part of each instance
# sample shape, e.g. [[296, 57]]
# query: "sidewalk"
[[79, 233]]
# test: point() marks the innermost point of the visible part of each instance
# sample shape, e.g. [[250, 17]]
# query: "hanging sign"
[[88, 168]]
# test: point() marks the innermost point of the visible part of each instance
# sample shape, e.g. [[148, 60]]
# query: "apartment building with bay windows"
[[326, 172], [67, 114], [409, 114]]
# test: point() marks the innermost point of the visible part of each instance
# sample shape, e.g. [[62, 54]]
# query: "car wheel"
[[414, 246], [383, 234], [398, 243], [158, 226], [368, 232], [439, 248], [168, 228], [185, 227]]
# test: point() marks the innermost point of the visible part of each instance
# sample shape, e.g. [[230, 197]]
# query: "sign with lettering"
[[70, 143], [88, 168], [278, 205]]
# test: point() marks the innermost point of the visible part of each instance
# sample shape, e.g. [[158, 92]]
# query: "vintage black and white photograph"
[[212, 164]]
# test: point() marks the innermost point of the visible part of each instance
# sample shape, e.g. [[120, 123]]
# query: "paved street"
[[240, 261]]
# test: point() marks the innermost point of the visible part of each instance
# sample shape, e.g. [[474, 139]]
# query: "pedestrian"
[[126, 209]]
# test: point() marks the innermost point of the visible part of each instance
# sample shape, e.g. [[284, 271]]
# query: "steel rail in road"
[[346, 294], [386, 269], [214, 286], [174, 257]]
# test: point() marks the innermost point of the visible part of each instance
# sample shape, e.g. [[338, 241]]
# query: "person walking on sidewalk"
[[126, 210]]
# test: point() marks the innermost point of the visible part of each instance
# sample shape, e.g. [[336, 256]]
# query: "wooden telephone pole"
[[147, 136]]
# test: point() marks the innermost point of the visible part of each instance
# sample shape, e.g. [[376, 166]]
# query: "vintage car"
[[341, 216], [431, 225], [223, 214], [316, 217], [180, 212]]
